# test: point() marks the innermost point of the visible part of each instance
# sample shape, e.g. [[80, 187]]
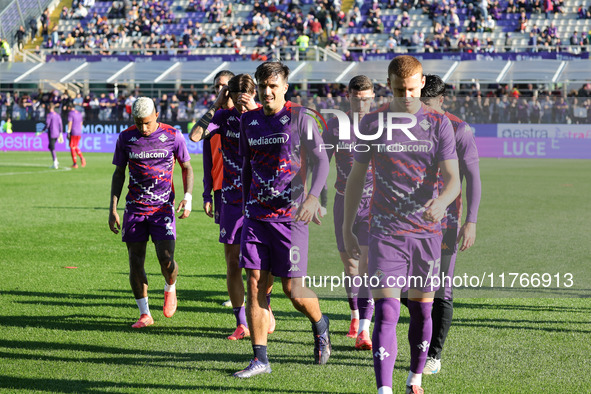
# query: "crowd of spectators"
[[494, 104], [139, 27]]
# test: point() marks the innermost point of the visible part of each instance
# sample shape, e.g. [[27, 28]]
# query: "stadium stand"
[[217, 27], [159, 47]]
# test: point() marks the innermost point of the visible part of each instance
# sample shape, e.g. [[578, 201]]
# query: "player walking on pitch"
[[406, 208], [360, 94], [74, 135], [276, 149], [150, 149], [433, 94], [233, 100], [55, 129]]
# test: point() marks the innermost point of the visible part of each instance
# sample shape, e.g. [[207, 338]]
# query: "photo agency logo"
[[387, 127], [314, 119]]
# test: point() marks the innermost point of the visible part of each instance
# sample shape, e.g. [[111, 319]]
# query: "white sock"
[[142, 303], [414, 379], [355, 314], [385, 390], [168, 287], [364, 325]]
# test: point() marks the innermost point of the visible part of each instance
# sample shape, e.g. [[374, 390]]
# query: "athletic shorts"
[[217, 205], [404, 263], [231, 221], [74, 141], [51, 144], [449, 251], [278, 247], [360, 226], [160, 226]]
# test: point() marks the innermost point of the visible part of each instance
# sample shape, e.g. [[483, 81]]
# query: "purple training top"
[[405, 171], [76, 118], [467, 157], [276, 150], [53, 123], [343, 151], [151, 163], [226, 122]]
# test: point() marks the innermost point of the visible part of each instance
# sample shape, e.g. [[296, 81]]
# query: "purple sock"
[[366, 304], [385, 346], [352, 292], [419, 333], [240, 314]]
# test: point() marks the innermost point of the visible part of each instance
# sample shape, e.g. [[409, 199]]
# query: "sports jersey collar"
[[286, 108]]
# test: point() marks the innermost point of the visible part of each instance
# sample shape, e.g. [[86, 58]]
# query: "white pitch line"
[[35, 172], [22, 165]]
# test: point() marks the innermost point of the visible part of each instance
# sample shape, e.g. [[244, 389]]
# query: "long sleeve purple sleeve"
[[468, 155], [319, 172], [318, 158], [473, 190], [246, 175], [207, 167]]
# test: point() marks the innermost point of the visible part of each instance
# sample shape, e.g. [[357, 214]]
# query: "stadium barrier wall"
[[105, 143], [551, 141], [456, 56]]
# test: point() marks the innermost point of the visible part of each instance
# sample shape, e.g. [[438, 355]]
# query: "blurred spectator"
[[489, 24], [33, 26], [548, 7], [80, 13], [5, 51], [511, 8], [20, 37], [534, 110], [560, 111]]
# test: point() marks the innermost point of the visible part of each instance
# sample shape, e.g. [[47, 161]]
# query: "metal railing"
[[572, 49], [14, 14], [312, 53], [315, 53]]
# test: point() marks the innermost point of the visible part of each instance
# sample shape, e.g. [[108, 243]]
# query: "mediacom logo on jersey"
[[277, 138], [151, 154]]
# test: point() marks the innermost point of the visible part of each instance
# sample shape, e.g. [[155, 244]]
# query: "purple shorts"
[[361, 225], [217, 205], [231, 221], [137, 228], [404, 263], [278, 247]]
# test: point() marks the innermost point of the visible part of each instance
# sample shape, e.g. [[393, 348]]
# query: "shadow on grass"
[[522, 292], [103, 386], [39, 294], [126, 299], [112, 355], [520, 324], [523, 307], [221, 277], [81, 322], [192, 361], [182, 293], [70, 207]]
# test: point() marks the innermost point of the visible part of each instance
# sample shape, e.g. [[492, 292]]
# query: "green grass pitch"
[[68, 330]]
